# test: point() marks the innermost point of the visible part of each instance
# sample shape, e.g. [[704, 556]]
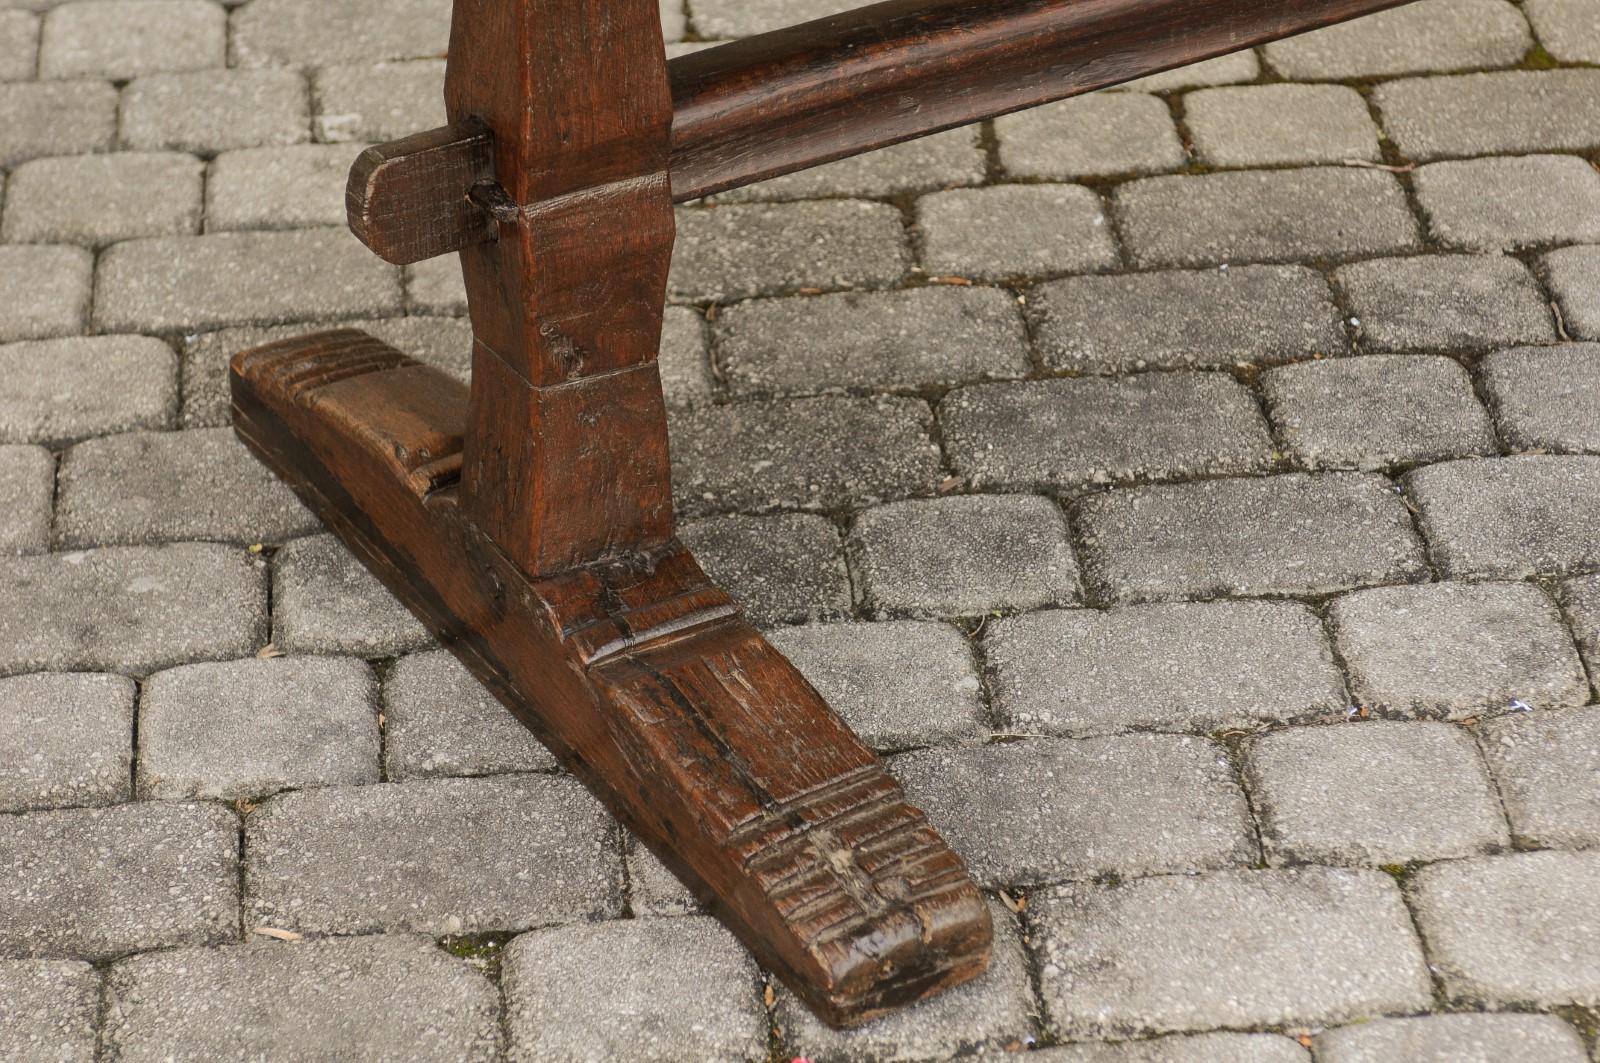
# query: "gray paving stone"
[[73, 737], [439, 720], [972, 232], [1252, 314], [1510, 517], [118, 41], [1569, 29], [146, 487], [325, 601], [52, 1008], [859, 340], [1426, 37], [809, 453], [897, 684], [55, 118], [436, 286], [683, 361], [310, 33], [19, 45], [1200, 1048], [1292, 534], [731, 252], [1446, 303], [1373, 793], [1480, 114], [278, 188], [1191, 667], [1228, 69], [1377, 411], [781, 568], [1574, 276], [1068, 433], [1581, 600], [1546, 398], [375, 998], [59, 391], [193, 283], [1510, 203], [1454, 1039], [214, 110], [1313, 946], [674, 20], [130, 609], [27, 485], [1090, 136], [992, 1011], [652, 889], [1455, 650], [1047, 810], [1513, 930], [1547, 764], [239, 729], [377, 102], [56, 281], [667, 984], [437, 856], [439, 341], [95, 883], [1268, 216], [99, 199], [943, 160], [718, 19], [1284, 124], [963, 555]]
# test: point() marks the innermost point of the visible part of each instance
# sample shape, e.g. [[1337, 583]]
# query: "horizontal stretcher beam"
[[840, 86]]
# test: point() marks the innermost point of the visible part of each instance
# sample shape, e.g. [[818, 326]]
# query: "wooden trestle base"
[[646, 682], [529, 521]]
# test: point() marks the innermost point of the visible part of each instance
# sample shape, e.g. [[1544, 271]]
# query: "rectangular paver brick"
[[118, 41], [146, 487], [1510, 517], [130, 609], [1373, 793], [326, 601], [1377, 411], [214, 110], [72, 740], [972, 232], [1069, 433], [40, 118], [1446, 303], [897, 684], [98, 199], [1546, 398], [1219, 1047], [1048, 810], [239, 729], [437, 856], [944, 160], [817, 453], [1454, 1039], [1481, 114], [52, 1010], [1547, 764], [1097, 135], [781, 568], [1510, 203], [278, 188], [1190, 666], [310, 33], [439, 720], [384, 997], [102, 882], [1233, 948], [1229, 69], [378, 102], [191, 283], [1513, 930], [719, 19], [53, 286], [27, 486], [916, 339], [1292, 534], [1265, 216], [1253, 314], [1277, 125], [1574, 275], [1569, 29], [1581, 600], [62, 390], [1431, 36], [1457, 649], [19, 45]]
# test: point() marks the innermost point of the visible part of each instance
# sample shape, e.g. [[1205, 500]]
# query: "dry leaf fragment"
[[770, 997], [962, 281], [281, 935], [269, 650], [1016, 904]]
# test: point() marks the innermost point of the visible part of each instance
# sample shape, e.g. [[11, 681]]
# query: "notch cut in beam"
[[840, 86]]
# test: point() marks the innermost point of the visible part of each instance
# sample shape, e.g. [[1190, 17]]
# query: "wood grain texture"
[[645, 681], [412, 199]]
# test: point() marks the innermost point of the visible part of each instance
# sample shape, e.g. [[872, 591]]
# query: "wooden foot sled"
[[528, 521]]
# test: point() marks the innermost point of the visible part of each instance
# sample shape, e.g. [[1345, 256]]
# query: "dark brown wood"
[[412, 199], [645, 681], [840, 86]]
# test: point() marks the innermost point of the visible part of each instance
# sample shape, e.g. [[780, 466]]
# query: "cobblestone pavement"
[[1193, 489]]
